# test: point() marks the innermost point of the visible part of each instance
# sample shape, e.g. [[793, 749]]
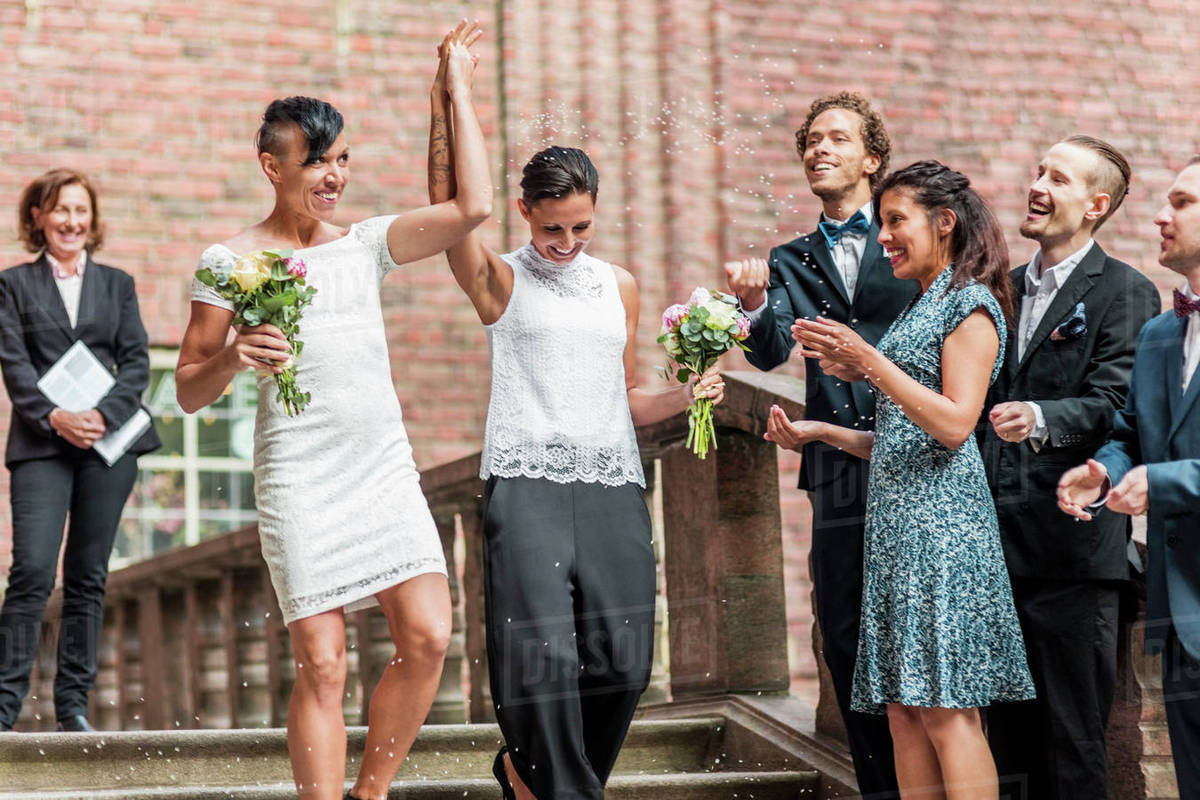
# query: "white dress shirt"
[[1041, 287], [69, 286], [847, 254], [1191, 340]]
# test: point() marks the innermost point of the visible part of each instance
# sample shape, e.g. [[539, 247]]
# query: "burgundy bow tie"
[[1184, 306]]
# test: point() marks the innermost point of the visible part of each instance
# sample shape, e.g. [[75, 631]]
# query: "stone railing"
[[193, 638]]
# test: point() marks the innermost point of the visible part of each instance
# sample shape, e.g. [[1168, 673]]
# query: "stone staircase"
[[678, 759]]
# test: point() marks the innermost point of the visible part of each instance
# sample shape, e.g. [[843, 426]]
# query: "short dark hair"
[[318, 121], [42, 194], [558, 172], [1112, 176], [874, 134], [977, 244]]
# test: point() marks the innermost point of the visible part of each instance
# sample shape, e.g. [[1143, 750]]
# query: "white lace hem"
[[562, 462]]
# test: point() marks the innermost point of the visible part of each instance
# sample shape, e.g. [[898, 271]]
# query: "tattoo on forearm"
[[439, 151]]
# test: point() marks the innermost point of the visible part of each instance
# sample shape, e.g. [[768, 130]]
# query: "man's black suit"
[[51, 477], [805, 283], [1066, 574]]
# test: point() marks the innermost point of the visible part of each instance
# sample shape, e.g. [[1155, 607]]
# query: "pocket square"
[[1072, 327]]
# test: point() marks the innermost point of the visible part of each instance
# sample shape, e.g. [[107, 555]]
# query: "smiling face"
[[916, 245], [560, 227], [1063, 202], [1179, 224], [836, 161], [309, 188], [66, 223]]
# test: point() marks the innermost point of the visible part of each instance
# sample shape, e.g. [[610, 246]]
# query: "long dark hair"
[[976, 244]]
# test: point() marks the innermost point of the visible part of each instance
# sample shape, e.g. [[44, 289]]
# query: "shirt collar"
[[61, 274], [1056, 275], [1188, 293], [866, 210]]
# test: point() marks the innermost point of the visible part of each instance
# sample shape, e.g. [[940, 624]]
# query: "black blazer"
[[805, 283], [1080, 383], [35, 331]]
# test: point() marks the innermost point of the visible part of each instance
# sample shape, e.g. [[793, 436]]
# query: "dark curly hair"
[[977, 245], [874, 134]]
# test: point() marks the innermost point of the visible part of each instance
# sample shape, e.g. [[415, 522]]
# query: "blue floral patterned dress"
[[939, 628]]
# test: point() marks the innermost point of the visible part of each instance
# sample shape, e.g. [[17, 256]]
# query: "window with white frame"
[[200, 482]]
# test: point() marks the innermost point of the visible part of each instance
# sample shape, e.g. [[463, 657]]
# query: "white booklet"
[[77, 382]]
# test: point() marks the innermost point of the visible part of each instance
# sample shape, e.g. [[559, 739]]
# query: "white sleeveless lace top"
[[558, 408]]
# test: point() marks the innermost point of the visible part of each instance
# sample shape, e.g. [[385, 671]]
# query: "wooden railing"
[[193, 638]]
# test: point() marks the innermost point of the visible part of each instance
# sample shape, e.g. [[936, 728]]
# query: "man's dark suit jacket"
[[35, 331], [1080, 383], [805, 283]]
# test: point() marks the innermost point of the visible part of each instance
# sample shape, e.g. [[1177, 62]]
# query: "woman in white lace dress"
[[342, 519], [568, 563]]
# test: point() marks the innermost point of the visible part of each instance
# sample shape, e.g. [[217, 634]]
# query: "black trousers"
[[42, 492], [839, 516], [569, 597], [1053, 747], [1181, 694]]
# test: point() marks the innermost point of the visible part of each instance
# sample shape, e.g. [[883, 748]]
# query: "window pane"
[[154, 516]]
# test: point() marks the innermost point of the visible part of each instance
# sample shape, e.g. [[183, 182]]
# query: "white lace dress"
[[340, 510]]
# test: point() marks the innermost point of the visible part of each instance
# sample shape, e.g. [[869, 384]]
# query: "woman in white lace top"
[[342, 519], [568, 562]]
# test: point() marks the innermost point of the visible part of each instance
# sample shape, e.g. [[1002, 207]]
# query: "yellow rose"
[[251, 271]]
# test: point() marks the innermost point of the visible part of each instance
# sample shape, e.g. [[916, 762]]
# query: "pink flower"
[[674, 316], [743, 323], [699, 297], [296, 268]]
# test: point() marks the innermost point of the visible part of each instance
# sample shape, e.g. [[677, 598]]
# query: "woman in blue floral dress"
[[939, 636]]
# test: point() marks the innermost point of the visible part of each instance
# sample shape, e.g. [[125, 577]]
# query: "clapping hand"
[[1079, 487], [791, 435], [838, 348], [81, 429], [1132, 495], [748, 280]]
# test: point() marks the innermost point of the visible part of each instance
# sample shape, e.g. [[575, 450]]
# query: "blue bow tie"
[[832, 231]]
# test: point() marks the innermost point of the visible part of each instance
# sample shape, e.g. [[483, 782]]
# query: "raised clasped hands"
[[838, 348], [260, 347], [456, 62], [1080, 487], [791, 435], [82, 429], [748, 279]]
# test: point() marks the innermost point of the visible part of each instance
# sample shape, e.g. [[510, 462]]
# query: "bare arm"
[[967, 358], [423, 232], [646, 406], [794, 435], [207, 364]]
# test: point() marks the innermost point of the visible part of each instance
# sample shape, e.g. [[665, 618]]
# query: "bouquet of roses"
[[695, 336], [267, 287]]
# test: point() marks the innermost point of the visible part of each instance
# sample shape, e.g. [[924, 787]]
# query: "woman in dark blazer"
[[46, 306]]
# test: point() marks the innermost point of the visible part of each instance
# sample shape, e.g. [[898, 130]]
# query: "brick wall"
[[688, 109]]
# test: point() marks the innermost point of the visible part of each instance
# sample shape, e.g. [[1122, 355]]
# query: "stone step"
[[38, 762], [796, 785]]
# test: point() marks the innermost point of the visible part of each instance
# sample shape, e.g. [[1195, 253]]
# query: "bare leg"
[[418, 615], [968, 771], [519, 788], [917, 769], [316, 728]]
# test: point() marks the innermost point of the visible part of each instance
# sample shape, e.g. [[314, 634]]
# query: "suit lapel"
[[1010, 360], [820, 253], [871, 259], [1185, 399], [1081, 280], [47, 296], [1174, 371], [89, 294]]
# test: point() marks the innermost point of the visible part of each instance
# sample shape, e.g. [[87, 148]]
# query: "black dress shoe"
[[75, 724]]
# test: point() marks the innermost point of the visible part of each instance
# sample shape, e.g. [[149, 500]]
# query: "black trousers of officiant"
[[42, 491], [569, 595]]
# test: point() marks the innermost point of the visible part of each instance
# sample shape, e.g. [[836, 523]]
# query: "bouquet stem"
[[701, 432]]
